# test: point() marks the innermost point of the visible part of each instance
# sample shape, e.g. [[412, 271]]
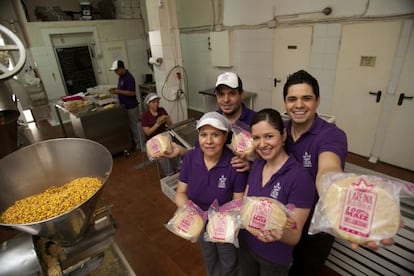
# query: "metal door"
[[398, 147], [364, 70], [292, 49]]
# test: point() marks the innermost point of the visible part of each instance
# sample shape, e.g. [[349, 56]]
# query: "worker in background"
[[127, 97], [229, 95], [155, 120]]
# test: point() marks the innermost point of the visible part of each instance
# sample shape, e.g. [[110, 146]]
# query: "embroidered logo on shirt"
[[275, 190], [307, 162], [222, 182]]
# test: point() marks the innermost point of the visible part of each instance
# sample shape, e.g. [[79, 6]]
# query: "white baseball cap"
[[229, 79], [150, 97], [215, 120], [117, 64]]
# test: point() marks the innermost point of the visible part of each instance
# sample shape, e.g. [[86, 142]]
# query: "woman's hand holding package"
[[176, 150], [270, 235]]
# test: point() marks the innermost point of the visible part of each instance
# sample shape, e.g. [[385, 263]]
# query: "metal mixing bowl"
[[55, 162]]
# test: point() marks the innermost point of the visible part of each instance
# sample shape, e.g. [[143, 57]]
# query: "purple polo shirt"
[[245, 117], [322, 136], [292, 184], [204, 186], [127, 82]]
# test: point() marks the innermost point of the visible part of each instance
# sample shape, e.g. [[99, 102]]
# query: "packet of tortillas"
[[357, 208], [224, 222], [259, 214], [158, 145], [188, 221], [242, 142]]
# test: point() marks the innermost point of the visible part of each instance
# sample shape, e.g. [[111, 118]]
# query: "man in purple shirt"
[[229, 95], [127, 98], [320, 147]]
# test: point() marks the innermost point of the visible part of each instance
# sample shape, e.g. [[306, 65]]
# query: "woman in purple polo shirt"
[[207, 174], [275, 175]]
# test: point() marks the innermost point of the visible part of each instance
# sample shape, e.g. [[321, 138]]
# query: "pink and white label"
[[155, 146], [220, 227], [185, 224], [242, 145], [359, 209], [261, 213]]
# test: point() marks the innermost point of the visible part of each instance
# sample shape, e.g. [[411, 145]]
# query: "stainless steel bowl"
[[55, 162]]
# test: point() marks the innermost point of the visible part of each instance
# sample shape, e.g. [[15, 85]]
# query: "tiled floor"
[[141, 210]]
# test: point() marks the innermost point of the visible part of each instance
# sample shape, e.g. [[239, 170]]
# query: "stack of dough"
[[222, 227], [262, 213], [158, 145], [358, 210]]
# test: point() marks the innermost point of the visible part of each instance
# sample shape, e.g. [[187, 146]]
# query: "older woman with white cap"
[[206, 175]]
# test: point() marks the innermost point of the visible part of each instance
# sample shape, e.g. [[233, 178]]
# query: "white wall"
[[108, 37], [252, 24]]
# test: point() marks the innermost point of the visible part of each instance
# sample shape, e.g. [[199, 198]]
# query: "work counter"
[[110, 126]]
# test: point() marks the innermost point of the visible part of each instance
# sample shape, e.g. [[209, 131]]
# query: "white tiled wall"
[[252, 55], [253, 61]]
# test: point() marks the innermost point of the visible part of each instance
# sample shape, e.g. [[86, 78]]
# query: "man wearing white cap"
[[229, 95], [126, 95]]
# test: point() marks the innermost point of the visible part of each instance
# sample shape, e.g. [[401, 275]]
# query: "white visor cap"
[[215, 120], [150, 97]]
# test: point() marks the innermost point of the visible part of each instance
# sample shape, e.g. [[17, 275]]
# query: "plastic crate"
[[169, 185]]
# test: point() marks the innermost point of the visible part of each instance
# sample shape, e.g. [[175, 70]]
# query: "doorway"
[[76, 68]]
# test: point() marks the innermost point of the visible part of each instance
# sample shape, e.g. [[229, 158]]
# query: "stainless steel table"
[[110, 127]]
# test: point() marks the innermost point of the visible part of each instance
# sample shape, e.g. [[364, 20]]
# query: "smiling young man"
[[320, 147]]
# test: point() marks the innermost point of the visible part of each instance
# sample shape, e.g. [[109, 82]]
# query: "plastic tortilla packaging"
[[358, 208], [187, 222], [242, 142], [158, 145], [263, 213], [224, 222]]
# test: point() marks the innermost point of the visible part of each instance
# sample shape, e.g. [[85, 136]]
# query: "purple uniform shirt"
[[292, 184], [321, 137], [148, 120], [127, 82], [245, 117], [204, 186]]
